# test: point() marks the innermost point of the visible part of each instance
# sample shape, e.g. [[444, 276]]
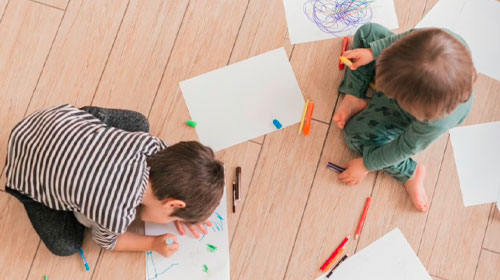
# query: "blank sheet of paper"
[[239, 102], [389, 258], [477, 156], [478, 22], [193, 254], [313, 20]]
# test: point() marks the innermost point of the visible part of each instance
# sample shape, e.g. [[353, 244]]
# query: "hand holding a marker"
[[359, 57], [354, 173], [166, 245]]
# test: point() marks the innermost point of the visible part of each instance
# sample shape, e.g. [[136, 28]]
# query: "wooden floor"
[[132, 54]]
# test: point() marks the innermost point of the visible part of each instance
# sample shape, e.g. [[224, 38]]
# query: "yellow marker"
[[372, 86], [346, 61], [303, 116]]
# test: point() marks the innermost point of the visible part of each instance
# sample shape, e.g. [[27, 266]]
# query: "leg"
[[123, 119], [355, 83], [59, 230]]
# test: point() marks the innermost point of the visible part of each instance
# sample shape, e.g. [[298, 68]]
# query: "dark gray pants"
[[59, 230]]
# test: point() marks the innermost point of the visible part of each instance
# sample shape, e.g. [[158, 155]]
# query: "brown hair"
[[428, 72], [188, 171]]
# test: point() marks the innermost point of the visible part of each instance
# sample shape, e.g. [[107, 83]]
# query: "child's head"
[[428, 72], [187, 172]]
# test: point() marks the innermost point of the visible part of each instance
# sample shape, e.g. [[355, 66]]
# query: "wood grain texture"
[[79, 54], [45, 263], [487, 264], [140, 54], [275, 202], [3, 5], [317, 71], [448, 250], [492, 238], [19, 239], [409, 13], [204, 43], [60, 4], [122, 265], [27, 31], [332, 212]]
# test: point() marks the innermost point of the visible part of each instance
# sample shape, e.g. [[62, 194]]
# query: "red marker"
[[363, 217], [307, 125], [344, 48], [325, 266]]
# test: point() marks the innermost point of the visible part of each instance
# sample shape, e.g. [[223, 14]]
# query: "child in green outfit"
[[424, 82]]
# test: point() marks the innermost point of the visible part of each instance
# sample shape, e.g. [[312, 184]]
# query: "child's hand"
[[161, 247], [354, 173], [193, 228], [359, 57]]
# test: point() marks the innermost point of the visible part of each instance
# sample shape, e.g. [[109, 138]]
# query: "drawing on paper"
[[338, 16]]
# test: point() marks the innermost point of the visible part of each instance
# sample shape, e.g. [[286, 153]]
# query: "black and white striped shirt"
[[69, 160]]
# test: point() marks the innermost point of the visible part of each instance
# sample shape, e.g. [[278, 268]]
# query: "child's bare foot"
[[349, 106], [416, 190]]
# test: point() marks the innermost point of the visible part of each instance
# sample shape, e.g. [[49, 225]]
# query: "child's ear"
[[173, 203]]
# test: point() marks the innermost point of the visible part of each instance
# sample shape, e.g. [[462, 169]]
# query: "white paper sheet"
[[477, 152], [239, 102], [193, 253], [388, 258], [478, 22], [313, 20]]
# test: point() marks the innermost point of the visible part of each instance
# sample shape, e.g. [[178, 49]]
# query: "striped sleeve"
[[104, 237]]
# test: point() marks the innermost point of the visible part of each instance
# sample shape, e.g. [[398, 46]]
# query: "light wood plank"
[[19, 239], [79, 54], [3, 5], [140, 54], [316, 68], [268, 225], [246, 156], [488, 267], [45, 263], [392, 207], [409, 13], [429, 4], [27, 31], [60, 4], [448, 250], [332, 212], [122, 265], [492, 238], [204, 43]]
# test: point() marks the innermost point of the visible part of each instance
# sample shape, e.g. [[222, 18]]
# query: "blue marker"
[[277, 124], [84, 260], [169, 241]]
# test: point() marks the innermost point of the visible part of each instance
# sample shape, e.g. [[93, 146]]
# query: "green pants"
[[383, 120]]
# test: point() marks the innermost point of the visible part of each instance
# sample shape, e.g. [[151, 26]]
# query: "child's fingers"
[[179, 227], [202, 228], [350, 54], [343, 175], [208, 223], [194, 231]]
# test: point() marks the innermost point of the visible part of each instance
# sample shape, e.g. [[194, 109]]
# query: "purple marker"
[[335, 167]]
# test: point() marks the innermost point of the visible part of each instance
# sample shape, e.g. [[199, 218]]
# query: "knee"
[[141, 122], [63, 249]]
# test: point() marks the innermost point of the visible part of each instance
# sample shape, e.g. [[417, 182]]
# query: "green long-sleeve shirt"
[[418, 134]]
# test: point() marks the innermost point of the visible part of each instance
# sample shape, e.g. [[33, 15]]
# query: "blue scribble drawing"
[[337, 17], [217, 225], [149, 258]]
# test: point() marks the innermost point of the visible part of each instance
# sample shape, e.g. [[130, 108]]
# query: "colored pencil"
[[307, 125], [303, 116], [344, 48], [363, 217], [325, 266], [335, 167], [346, 61], [87, 268]]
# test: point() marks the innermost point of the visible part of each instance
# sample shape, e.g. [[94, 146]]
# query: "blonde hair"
[[428, 72]]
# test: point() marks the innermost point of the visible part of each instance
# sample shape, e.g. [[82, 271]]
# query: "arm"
[[416, 138], [130, 241], [379, 45]]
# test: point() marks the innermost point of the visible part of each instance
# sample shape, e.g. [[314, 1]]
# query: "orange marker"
[[363, 217], [307, 126], [335, 253]]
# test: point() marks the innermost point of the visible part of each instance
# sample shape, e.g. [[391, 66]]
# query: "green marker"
[[191, 123], [45, 277], [205, 268], [211, 248]]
